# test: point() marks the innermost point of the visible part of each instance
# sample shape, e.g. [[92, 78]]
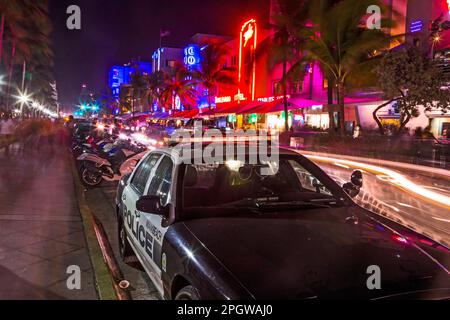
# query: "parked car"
[[279, 229]]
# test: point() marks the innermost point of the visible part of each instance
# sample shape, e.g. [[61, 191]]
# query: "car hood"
[[322, 253]]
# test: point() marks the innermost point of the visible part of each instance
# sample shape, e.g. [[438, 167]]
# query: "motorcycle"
[[101, 147], [120, 160]]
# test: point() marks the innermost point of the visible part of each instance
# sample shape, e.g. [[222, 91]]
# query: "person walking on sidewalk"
[[7, 127]]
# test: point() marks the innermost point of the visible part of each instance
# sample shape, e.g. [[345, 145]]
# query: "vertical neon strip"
[[240, 56], [254, 61], [240, 63]]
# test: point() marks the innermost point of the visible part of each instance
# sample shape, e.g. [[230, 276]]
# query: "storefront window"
[[253, 118]]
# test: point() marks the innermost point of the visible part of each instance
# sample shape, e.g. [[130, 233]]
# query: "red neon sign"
[[248, 32]]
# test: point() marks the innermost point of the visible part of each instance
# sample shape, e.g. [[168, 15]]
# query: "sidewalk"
[[41, 232]]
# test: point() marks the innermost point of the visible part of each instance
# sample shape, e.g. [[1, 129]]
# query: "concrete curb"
[[106, 287]]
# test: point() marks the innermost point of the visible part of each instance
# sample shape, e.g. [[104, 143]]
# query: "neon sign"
[[272, 99], [191, 55], [223, 99], [417, 26], [248, 33], [239, 97]]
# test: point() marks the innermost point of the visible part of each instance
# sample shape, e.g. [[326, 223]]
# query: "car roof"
[[248, 150]]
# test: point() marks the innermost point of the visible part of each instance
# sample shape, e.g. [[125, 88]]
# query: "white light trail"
[[397, 179], [440, 219], [341, 165]]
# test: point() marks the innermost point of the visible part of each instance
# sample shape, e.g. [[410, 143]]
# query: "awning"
[[159, 115], [305, 103], [186, 114], [191, 113], [349, 100], [230, 109], [278, 106]]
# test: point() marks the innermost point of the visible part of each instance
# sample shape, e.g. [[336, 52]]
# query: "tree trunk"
[[10, 72], [285, 102], [341, 104], [375, 117], [404, 123], [331, 126], [2, 31], [24, 70]]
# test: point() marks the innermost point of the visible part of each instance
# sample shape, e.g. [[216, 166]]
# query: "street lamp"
[[23, 98]]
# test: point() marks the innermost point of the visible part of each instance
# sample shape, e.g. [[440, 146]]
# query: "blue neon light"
[[416, 26], [191, 55]]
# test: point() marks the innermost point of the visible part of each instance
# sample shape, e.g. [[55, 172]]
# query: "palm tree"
[[11, 14], [284, 45], [344, 46], [156, 82], [179, 84], [139, 86], [213, 73], [26, 36]]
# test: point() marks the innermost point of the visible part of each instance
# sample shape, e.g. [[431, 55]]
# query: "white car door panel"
[[160, 185]]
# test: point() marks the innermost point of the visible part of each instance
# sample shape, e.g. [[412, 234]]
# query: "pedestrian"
[[357, 132], [7, 128]]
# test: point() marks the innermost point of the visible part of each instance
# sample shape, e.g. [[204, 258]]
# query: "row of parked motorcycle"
[[106, 157]]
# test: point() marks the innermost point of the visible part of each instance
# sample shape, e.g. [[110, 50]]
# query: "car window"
[[162, 180], [142, 172], [233, 183], [307, 180]]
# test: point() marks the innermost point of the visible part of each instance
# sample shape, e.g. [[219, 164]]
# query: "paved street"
[[41, 232]]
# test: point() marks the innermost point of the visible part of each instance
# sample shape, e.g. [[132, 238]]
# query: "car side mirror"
[[151, 205], [353, 187], [357, 178]]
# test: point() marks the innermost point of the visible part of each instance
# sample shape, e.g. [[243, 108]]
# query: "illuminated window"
[[277, 88], [170, 63], [325, 83], [295, 87]]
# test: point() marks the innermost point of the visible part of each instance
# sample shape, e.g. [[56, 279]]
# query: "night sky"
[[116, 31]]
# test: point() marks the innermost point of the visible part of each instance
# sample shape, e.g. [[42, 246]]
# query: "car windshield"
[[282, 185]]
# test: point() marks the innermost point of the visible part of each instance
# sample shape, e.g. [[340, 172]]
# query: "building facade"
[[120, 75], [260, 82], [163, 59]]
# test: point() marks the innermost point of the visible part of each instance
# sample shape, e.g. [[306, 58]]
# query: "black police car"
[[225, 230]]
